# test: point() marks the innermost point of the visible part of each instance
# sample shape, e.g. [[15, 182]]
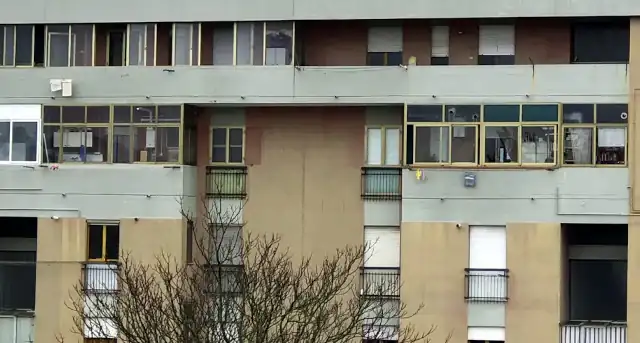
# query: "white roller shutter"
[[383, 247], [440, 41], [385, 39], [488, 247], [497, 40]]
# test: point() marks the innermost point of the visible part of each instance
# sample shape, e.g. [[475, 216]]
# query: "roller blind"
[[440, 41], [497, 40], [385, 39], [383, 245], [487, 247]]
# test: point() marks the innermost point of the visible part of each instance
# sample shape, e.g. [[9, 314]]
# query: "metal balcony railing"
[[381, 183], [100, 277], [227, 182], [17, 286], [486, 285], [593, 332], [380, 282]]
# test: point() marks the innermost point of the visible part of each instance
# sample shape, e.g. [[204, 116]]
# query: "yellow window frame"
[[104, 242], [264, 42], [3, 32], [195, 36], [383, 151], [483, 144], [144, 47], [554, 125], [227, 146], [450, 126], [72, 45]]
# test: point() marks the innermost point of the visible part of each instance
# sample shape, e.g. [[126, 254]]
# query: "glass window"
[[9, 45], [223, 45], [136, 40], [103, 242], [182, 43], [578, 145], [538, 144], [58, 45], [424, 113], [19, 141], [431, 144], [5, 141], [279, 43], [383, 146], [602, 41], [578, 113], [24, 45], [82, 45], [227, 145], [501, 144], [464, 144], [611, 146], [249, 43]]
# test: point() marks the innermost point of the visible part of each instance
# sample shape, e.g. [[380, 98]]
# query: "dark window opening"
[[384, 58], [103, 242], [439, 61], [600, 42], [496, 60], [17, 264], [115, 48]]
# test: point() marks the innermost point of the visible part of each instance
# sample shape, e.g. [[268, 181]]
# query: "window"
[[249, 43], [594, 134], [118, 134], [141, 45], [223, 36], [439, 45], [70, 45], [383, 146], [186, 41], [19, 137], [385, 46], [487, 135], [17, 45], [103, 242], [600, 42], [496, 45], [227, 145], [278, 43]]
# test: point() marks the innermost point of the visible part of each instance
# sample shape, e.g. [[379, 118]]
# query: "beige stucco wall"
[[61, 248], [147, 239], [434, 256], [534, 259]]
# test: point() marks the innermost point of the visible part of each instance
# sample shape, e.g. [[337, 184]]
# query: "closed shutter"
[[488, 247], [440, 41], [497, 40], [383, 247], [385, 39]]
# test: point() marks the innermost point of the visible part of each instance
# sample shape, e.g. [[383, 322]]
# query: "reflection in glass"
[[167, 144], [249, 43], [219, 145], [501, 144], [538, 144], [82, 45], [24, 142], [182, 45], [464, 143], [279, 43], [58, 45], [50, 151], [136, 42], [97, 145], [611, 145], [5, 143], [578, 145], [122, 144], [432, 144]]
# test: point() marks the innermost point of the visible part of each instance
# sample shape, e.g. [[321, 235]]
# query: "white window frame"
[[373, 246], [499, 40], [194, 33], [145, 45], [440, 41], [264, 43], [383, 144], [22, 114]]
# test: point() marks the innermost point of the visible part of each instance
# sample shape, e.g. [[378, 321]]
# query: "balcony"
[[100, 277], [593, 332], [380, 282], [486, 285], [381, 183], [227, 182], [17, 286]]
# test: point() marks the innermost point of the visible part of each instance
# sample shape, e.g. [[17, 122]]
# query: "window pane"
[[392, 149], [611, 145], [136, 44], [375, 58], [2, 44], [98, 114], [394, 58], [577, 113], [74, 144], [424, 113], [95, 242], [168, 144], [144, 114], [249, 43], [279, 43], [539, 112], [9, 41], [122, 144], [432, 144], [501, 113], [24, 145], [58, 49], [195, 45], [182, 48], [374, 146], [144, 144], [97, 145], [73, 114], [82, 45], [150, 47], [501, 144], [464, 144], [235, 154], [612, 113], [122, 114], [538, 144], [223, 45], [235, 137], [219, 137], [112, 242], [169, 114], [462, 113], [219, 154], [24, 45], [258, 43], [50, 144], [600, 42], [51, 114], [578, 146], [5, 131]]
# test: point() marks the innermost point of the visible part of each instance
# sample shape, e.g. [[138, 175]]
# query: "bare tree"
[[240, 287]]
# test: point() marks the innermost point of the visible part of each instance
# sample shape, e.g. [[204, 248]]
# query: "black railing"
[[380, 282], [224, 278], [486, 285], [381, 183], [17, 286], [593, 332], [100, 277], [227, 182]]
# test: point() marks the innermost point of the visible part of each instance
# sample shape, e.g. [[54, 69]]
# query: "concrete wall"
[[321, 85], [95, 191], [78, 11]]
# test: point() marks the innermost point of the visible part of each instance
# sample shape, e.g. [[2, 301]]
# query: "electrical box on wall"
[[470, 180], [61, 86]]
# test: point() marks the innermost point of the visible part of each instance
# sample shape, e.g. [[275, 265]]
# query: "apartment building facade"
[[488, 148]]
